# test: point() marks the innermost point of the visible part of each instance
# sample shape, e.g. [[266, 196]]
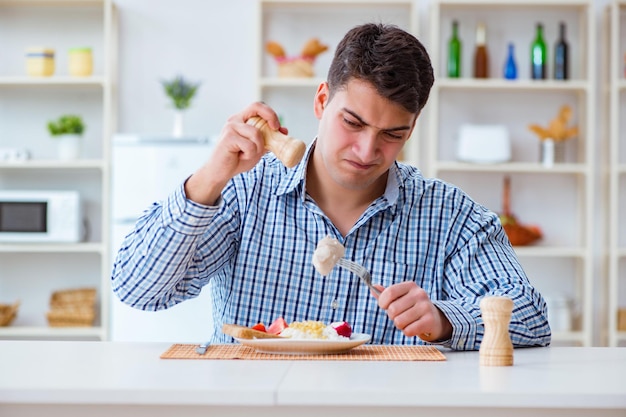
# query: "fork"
[[201, 350], [360, 271]]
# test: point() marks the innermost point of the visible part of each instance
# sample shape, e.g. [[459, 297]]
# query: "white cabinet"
[[559, 199], [31, 272], [291, 24], [616, 221]]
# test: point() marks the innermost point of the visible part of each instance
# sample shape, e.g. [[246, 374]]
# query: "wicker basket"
[[79, 297], [8, 312], [621, 320], [72, 308], [71, 317], [298, 68]]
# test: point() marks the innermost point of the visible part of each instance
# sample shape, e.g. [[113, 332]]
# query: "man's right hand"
[[239, 149]]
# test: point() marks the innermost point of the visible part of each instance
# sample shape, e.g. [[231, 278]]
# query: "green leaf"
[[180, 91], [66, 124]]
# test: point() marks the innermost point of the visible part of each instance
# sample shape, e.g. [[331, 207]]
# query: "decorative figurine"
[[519, 234], [297, 66], [555, 135]]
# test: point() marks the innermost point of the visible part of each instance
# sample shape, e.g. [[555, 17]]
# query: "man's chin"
[[355, 183]]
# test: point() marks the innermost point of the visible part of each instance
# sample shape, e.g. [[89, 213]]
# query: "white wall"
[[212, 42]]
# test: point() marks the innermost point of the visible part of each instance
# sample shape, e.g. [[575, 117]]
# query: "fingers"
[[259, 109], [245, 142], [380, 288], [239, 149], [411, 310]]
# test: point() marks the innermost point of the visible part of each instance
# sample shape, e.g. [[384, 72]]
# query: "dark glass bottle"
[[510, 66], [560, 56], [454, 52], [538, 56], [481, 58]]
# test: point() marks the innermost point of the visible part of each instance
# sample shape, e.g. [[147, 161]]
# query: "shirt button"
[[335, 304]]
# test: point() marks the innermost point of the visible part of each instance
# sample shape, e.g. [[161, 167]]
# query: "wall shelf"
[[559, 199], [292, 23], [615, 100], [30, 272]]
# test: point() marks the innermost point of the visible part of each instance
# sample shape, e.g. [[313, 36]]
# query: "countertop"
[[112, 378]]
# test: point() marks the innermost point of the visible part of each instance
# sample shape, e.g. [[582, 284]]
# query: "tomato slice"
[[277, 326], [260, 327]]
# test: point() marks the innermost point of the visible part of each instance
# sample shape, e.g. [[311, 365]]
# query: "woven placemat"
[[360, 353]]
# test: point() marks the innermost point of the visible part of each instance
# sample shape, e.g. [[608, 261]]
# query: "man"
[[247, 226]]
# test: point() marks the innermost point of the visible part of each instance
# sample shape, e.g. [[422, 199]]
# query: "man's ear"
[[321, 99]]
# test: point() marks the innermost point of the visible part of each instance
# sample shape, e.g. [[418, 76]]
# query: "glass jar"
[[40, 62], [559, 313], [80, 63]]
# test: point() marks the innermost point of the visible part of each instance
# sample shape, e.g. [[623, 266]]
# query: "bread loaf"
[[243, 332]]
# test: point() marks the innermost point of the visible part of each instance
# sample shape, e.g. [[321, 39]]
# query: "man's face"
[[360, 134]]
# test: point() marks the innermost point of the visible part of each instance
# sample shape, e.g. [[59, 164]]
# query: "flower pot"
[[177, 131], [552, 152], [68, 146]]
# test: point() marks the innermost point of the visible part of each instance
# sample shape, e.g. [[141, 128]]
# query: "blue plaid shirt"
[[254, 250]]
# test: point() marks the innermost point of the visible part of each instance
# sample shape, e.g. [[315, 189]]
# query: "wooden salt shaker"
[[287, 149], [496, 348]]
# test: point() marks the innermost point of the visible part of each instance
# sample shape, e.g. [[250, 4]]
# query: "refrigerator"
[[146, 169]]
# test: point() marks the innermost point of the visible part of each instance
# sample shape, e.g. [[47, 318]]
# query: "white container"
[[486, 144], [69, 146], [559, 313]]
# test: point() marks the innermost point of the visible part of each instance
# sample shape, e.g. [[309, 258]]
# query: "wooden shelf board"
[[50, 332], [498, 84], [512, 167], [65, 81], [53, 164], [87, 247]]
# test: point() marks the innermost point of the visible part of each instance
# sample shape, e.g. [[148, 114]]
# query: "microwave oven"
[[40, 216]]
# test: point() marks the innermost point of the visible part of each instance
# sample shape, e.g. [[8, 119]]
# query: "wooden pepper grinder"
[[496, 348], [287, 149]]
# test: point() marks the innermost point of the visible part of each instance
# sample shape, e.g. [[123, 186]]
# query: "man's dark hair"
[[389, 58]]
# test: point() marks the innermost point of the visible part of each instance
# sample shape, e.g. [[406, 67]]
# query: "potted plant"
[[68, 130], [180, 91]]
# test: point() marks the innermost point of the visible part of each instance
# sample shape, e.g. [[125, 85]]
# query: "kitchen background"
[[220, 45]]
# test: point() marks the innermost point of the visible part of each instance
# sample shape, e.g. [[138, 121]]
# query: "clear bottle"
[[510, 66], [538, 55], [454, 52], [561, 56], [481, 58]]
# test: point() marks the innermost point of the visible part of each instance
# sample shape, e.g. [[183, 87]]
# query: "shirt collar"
[[297, 177]]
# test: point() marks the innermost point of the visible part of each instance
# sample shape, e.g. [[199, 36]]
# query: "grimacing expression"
[[360, 134]]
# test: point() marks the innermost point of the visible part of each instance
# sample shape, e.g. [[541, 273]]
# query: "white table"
[[128, 379]]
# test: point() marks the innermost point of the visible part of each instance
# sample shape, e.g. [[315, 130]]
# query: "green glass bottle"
[[454, 52], [538, 56]]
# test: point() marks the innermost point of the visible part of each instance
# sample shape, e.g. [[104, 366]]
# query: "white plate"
[[305, 346]]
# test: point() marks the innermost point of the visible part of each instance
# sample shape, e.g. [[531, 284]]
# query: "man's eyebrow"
[[363, 122]]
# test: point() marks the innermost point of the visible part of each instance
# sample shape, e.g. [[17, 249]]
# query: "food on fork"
[[329, 250]]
